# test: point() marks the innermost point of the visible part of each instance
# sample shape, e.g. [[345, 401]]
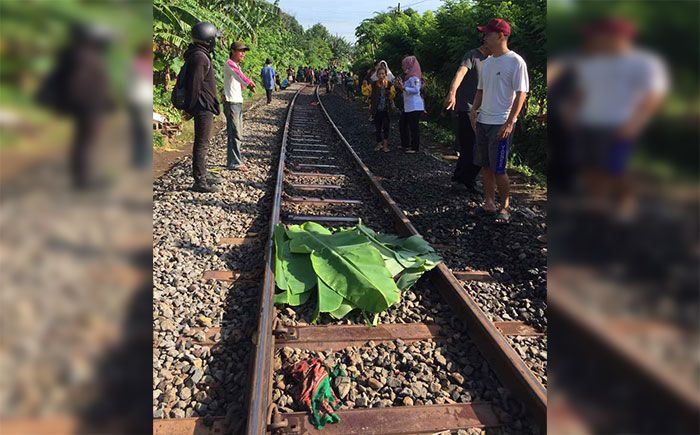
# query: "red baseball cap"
[[495, 25], [611, 26]]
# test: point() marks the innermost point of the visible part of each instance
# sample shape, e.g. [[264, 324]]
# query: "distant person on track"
[[501, 91], [350, 86], [267, 74], [200, 87], [382, 95], [234, 83], [460, 99], [300, 75], [413, 104]]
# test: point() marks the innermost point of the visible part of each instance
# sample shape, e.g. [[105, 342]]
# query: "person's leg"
[[385, 130], [268, 94], [489, 180], [140, 145], [230, 135], [503, 184], [202, 133], [403, 131], [85, 133], [414, 127], [237, 112], [471, 171], [481, 159], [378, 128], [498, 156], [465, 159]]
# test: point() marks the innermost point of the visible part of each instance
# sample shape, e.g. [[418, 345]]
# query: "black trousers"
[[203, 123], [409, 129], [465, 171], [268, 93], [86, 128], [382, 124]]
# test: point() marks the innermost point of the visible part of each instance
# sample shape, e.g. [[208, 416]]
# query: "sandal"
[[481, 211], [503, 217]]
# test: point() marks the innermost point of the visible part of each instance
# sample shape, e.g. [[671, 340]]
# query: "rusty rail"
[[505, 362], [261, 373]]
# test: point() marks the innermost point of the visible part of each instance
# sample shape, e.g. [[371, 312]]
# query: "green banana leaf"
[[350, 268]]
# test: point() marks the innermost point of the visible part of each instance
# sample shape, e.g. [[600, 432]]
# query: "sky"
[[341, 17]]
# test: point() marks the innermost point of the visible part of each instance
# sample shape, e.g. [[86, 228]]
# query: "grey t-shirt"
[[467, 89]]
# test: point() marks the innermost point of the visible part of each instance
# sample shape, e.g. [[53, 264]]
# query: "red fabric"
[[310, 376], [495, 25]]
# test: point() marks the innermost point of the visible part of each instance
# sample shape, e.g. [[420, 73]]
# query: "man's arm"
[[475, 107], [649, 105], [507, 128], [451, 99]]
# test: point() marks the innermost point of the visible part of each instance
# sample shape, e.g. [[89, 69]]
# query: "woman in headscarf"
[[389, 75], [413, 104]]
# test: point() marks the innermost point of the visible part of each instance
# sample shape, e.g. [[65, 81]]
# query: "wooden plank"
[[400, 420]]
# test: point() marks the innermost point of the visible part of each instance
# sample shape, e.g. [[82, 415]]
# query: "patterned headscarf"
[[411, 67]]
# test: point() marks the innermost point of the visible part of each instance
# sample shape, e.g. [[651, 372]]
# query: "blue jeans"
[[234, 133]]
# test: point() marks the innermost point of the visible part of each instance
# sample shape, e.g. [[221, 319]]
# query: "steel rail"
[[505, 362], [260, 393]]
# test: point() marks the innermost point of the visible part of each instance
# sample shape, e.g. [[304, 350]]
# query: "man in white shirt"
[[234, 83], [500, 95]]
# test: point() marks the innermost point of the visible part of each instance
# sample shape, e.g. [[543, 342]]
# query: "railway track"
[[320, 178]]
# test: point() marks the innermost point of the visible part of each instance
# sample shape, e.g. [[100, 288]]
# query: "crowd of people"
[[488, 92]]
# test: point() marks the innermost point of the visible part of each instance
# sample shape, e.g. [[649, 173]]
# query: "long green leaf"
[[328, 299], [359, 275]]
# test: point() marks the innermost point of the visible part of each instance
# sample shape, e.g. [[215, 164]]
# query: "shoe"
[[204, 188], [214, 179]]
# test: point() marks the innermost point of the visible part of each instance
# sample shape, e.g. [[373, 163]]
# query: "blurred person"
[[78, 87], [501, 90], [234, 83], [202, 103], [141, 105], [460, 99], [268, 75], [382, 94], [413, 104], [350, 86], [620, 88]]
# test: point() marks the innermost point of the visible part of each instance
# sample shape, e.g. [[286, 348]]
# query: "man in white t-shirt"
[[500, 95]]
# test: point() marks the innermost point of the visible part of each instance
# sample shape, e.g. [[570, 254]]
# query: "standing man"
[[501, 91], [460, 99], [202, 104], [267, 74], [234, 83]]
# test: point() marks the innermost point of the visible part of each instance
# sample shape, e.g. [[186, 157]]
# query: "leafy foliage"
[[269, 31], [351, 268]]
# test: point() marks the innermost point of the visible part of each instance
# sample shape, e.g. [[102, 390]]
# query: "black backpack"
[[179, 94]]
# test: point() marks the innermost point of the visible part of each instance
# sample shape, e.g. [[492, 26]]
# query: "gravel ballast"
[[190, 379]]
